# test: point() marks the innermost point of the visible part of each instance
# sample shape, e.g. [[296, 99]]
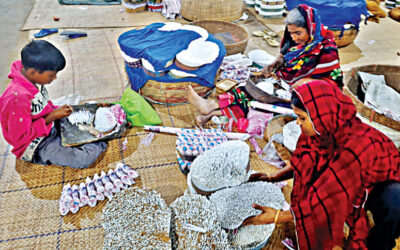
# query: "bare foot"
[[203, 119], [204, 106], [200, 121]]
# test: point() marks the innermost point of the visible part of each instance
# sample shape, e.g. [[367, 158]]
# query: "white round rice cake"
[[198, 53]]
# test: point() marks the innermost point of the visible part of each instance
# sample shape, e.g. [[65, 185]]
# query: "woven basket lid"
[[221, 10]]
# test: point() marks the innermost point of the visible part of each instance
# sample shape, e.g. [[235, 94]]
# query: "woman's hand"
[[268, 71], [262, 177], [59, 113], [280, 175], [266, 217]]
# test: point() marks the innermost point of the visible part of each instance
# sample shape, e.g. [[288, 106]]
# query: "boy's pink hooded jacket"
[[23, 107]]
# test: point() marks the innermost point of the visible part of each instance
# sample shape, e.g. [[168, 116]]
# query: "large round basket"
[[236, 31], [171, 92], [222, 10], [347, 38], [352, 87]]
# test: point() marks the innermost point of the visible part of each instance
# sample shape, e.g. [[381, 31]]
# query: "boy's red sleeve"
[[21, 128], [51, 104]]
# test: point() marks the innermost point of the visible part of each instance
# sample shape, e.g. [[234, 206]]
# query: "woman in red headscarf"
[[308, 50], [341, 167]]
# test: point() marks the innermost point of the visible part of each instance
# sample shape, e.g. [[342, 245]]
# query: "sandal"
[[45, 32], [271, 41], [259, 33]]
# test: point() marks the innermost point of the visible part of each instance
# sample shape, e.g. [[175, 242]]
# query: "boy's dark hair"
[[42, 56], [296, 101]]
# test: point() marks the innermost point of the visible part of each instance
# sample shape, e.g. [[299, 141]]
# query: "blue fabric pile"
[[159, 48]]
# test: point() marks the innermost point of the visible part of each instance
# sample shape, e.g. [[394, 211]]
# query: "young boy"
[[28, 116]]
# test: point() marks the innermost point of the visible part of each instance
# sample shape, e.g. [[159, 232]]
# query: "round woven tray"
[[392, 78], [348, 36], [171, 92], [274, 126], [216, 27], [222, 10]]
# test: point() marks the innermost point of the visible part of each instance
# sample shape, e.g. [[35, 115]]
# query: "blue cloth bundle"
[[159, 48]]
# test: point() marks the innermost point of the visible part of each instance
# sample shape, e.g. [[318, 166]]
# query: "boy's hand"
[[62, 112], [104, 104], [59, 113]]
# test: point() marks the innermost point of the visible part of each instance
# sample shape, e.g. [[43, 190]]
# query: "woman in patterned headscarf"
[[308, 50], [341, 167]]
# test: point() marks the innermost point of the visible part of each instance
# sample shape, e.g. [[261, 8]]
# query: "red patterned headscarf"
[[335, 170], [317, 59]]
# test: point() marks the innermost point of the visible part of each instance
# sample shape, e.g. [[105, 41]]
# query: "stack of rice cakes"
[[196, 210], [226, 165], [136, 219], [234, 205]]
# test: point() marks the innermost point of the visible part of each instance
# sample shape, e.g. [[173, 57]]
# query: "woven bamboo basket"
[[219, 27], [348, 36], [274, 126], [171, 92], [154, 6], [271, 9], [221, 10], [352, 89], [134, 6]]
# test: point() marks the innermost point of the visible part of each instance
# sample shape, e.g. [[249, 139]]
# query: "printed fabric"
[[335, 170], [318, 59], [192, 143], [235, 103], [23, 108]]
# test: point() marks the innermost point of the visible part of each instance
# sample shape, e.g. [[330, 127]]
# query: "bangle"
[[276, 216]]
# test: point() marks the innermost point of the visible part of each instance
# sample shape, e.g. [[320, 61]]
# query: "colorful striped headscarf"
[[317, 59]]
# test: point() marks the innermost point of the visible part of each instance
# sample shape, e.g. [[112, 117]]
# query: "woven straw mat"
[[29, 193]]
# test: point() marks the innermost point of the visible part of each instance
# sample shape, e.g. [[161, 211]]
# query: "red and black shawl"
[[317, 59], [335, 170]]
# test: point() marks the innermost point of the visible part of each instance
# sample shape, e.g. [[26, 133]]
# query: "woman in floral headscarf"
[[308, 50], [341, 168]]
